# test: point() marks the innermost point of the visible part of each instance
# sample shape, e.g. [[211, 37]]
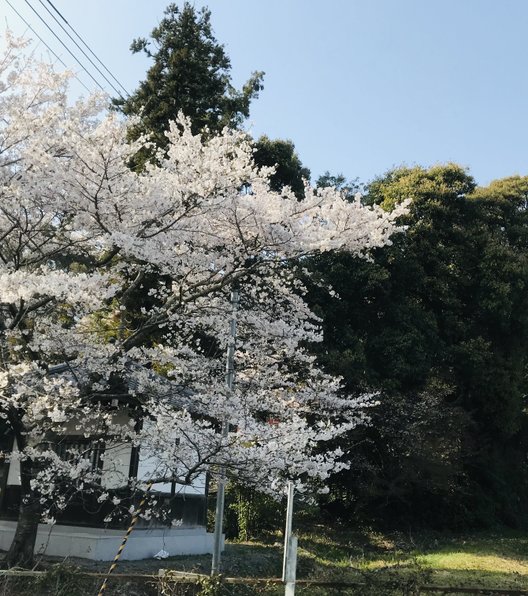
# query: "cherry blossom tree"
[[114, 297]]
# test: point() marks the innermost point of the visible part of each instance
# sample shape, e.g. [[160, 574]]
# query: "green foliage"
[[348, 187], [438, 322], [62, 580], [418, 184], [289, 169], [251, 515], [512, 190], [211, 586], [191, 73]]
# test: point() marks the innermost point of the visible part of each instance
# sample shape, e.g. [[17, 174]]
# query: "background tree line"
[[437, 322]]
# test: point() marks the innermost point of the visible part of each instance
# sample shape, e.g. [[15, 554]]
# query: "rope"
[[121, 548]]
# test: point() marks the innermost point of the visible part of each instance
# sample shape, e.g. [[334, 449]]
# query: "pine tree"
[[190, 73]]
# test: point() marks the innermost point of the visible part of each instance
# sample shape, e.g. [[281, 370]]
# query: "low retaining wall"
[[100, 544]]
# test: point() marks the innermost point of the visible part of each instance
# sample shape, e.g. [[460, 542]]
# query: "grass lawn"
[[485, 560], [384, 563], [480, 560], [492, 560]]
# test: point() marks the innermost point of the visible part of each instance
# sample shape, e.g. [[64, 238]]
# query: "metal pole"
[[291, 567], [288, 529], [229, 378]]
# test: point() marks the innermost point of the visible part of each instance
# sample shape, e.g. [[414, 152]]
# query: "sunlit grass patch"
[[498, 560], [474, 562]]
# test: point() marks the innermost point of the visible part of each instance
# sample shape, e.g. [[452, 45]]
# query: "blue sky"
[[359, 86]]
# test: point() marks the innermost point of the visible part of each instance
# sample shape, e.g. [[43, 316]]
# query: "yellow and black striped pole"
[[135, 517]]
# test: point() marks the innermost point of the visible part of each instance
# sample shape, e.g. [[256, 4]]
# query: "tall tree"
[[82, 239], [191, 72]]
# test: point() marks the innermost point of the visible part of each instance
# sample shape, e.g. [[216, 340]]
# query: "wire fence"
[[174, 585], [66, 581]]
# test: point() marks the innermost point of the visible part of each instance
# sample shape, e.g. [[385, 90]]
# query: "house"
[[85, 530]]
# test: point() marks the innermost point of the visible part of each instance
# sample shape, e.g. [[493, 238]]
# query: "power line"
[[77, 60], [81, 49], [40, 38], [86, 45], [66, 47]]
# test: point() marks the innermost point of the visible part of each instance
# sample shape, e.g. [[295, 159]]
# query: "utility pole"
[[289, 568], [230, 379]]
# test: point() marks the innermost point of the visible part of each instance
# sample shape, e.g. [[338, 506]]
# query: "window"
[[75, 448]]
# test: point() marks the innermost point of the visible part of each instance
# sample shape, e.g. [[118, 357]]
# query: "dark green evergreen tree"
[[350, 188], [191, 72]]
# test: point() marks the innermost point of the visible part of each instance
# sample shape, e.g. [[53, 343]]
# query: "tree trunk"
[[20, 553]]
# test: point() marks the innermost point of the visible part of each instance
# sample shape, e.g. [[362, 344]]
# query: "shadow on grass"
[[481, 560], [498, 560], [238, 560]]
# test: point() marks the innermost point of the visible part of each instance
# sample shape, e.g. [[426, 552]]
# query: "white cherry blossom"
[[114, 300]]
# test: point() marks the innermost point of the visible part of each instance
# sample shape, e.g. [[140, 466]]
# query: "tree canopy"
[[288, 168], [191, 73], [437, 320], [114, 289]]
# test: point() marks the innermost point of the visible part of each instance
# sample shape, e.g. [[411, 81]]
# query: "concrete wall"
[[101, 545]]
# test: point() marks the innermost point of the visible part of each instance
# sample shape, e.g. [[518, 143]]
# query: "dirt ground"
[[237, 560], [130, 578]]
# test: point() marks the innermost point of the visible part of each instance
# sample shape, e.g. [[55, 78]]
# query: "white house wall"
[[149, 465], [100, 544], [198, 487], [116, 465]]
